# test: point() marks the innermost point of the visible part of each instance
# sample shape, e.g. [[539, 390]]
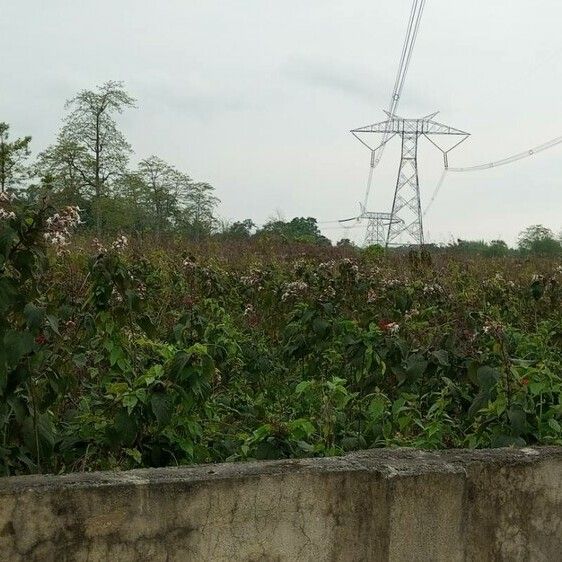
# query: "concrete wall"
[[399, 505]]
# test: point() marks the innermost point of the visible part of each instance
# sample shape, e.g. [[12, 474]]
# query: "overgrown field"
[[149, 355]]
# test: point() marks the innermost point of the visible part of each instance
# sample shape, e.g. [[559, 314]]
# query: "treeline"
[[536, 240], [88, 166]]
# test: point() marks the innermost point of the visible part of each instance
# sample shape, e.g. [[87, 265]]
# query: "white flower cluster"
[[249, 310], [60, 225], [120, 244], [349, 264], [393, 328], [98, 246], [6, 215], [411, 314], [254, 279], [391, 283], [328, 293], [116, 295], [432, 289], [6, 198], [372, 296], [493, 328], [189, 263], [498, 280], [326, 267], [293, 289]]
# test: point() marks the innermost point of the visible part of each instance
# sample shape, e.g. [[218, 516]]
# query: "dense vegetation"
[[116, 355], [205, 341]]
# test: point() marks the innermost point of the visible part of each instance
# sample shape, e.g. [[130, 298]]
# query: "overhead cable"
[[497, 163], [404, 64], [510, 159]]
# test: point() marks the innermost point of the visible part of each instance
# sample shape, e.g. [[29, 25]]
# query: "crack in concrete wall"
[[379, 505]]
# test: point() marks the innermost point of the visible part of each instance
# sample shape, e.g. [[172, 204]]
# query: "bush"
[[119, 355]]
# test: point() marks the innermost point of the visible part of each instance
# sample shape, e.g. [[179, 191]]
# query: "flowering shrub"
[[116, 355]]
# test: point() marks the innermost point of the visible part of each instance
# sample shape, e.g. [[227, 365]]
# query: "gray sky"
[[257, 97]]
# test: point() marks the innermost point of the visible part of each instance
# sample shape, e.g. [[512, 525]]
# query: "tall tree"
[[539, 240], [59, 165], [90, 126], [13, 156], [195, 205], [159, 179]]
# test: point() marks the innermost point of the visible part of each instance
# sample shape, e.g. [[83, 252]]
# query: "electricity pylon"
[[405, 226], [377, 225]]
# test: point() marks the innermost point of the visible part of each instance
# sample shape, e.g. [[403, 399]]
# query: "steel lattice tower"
[[405, 226], [377, 227]]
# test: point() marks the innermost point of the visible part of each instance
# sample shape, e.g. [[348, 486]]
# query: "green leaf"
[[306, 447], [442, 357], [554, 425], [17, 345], [303, 386], [130, 401], [115, 355], [34, 316], [320, 326], [8, 292], [518, 419], [80, 360], [3, 371], [301, 428], [123, 431], [53, 322], [145, 323], [45, 438], [377, 408], [537, 388], [162, 407], [480, 401], [7, 238], [415, 366], [487, 377], [135, 454], [507, 441]]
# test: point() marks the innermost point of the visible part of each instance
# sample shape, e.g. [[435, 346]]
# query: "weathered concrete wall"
[[398, 505]]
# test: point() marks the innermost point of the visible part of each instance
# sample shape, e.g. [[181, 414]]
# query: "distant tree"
[[239, 229], [470, 246], [101, 148], [160, 193], [539, 240], [13, 156], [196, 204], [496, 249], [373, 251], [130, 192], [299, 229], [59, 166], [345, 243]]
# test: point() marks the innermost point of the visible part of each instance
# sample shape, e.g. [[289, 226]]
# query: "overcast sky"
[[258, 96]]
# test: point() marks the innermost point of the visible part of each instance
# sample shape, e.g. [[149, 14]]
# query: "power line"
[[510, 159], [412, 31], [495, 164]]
